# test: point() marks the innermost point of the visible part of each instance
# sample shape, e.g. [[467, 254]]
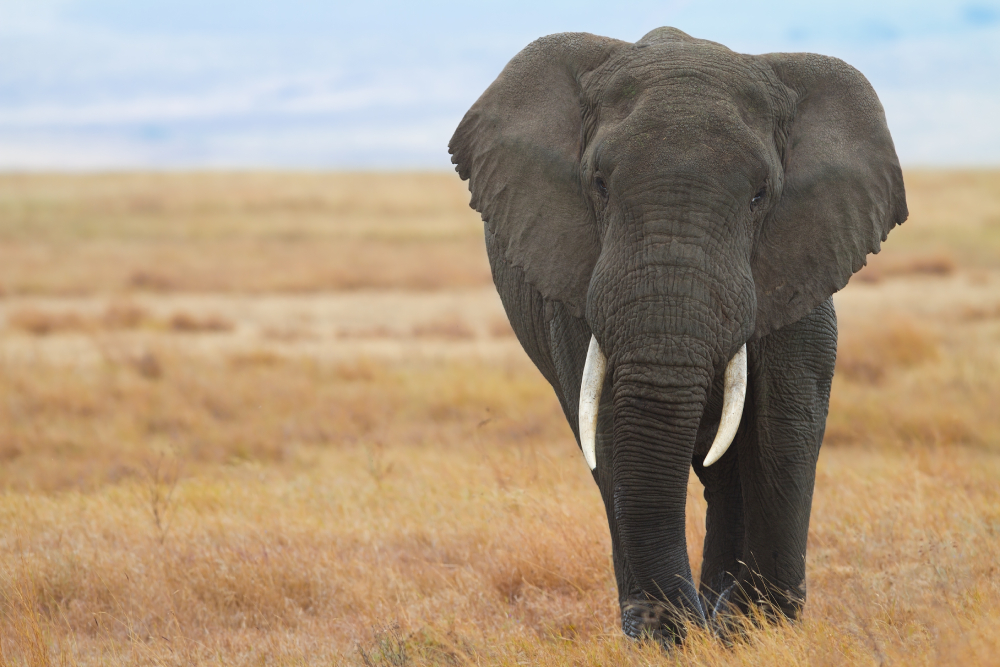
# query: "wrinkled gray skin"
[[677, 200]]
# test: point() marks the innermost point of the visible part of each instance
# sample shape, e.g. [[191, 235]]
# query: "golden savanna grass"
[[235, 233], [280, 419]]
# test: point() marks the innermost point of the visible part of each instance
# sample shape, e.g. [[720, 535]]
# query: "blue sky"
[[111, 84]]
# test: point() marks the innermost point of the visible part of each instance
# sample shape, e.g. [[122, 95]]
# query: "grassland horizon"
[[280, 418]]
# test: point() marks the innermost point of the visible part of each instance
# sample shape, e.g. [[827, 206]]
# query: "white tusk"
[[734, 394], [590, 400]]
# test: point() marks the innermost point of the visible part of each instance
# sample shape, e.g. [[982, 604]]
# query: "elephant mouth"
[[595, 369]]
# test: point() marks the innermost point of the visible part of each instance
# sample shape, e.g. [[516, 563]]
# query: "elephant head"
[[681, 200]]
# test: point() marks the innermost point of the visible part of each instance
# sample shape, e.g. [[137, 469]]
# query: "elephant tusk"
[[734, 395], [594, 370]]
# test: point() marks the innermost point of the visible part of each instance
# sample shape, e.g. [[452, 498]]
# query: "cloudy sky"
[[102, 84]]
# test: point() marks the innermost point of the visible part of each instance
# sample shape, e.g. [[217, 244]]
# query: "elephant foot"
[[723, 605], [738, 609], [726, 618]]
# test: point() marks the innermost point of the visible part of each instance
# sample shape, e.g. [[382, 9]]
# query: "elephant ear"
[[519, 146], [842, 193]]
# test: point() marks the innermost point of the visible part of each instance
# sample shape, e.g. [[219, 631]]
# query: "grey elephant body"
[[674, 201]]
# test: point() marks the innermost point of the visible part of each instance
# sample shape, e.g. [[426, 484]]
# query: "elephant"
[[666, 223]]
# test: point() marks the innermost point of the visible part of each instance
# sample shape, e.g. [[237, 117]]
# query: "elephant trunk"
[[658, 405], [594, 371], [670, 309]]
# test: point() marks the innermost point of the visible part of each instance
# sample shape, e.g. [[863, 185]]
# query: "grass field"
[[280, 419]]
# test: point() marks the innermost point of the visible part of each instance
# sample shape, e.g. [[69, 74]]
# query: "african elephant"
[[666, 222]]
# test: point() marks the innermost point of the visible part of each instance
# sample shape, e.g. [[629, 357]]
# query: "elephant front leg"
[[723, 549], [790, 375], [722, 555]]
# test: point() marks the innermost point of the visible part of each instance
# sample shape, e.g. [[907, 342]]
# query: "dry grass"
[[239, 233], [868, 355], [189, 323], [115, 317], [900, 264], [40, 322], [164, 505], [479, 534], [901, 384], [500, 328], [82, 428], [452, 328]]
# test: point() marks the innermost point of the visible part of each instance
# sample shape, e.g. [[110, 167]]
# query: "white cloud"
[[109, 83], [291, 97], [945, 128]]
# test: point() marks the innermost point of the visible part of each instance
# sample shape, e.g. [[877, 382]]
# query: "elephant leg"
[[724, 527], [569, 338], [557, 344], [786, 409]]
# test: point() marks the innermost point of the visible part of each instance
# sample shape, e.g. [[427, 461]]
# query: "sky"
[[310, 84]]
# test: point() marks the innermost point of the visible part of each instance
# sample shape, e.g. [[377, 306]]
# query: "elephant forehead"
[[693, 68], [690, 85], [658, 141]]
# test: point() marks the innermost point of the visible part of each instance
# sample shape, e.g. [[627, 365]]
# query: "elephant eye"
[[758, 198], [601, 186]]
